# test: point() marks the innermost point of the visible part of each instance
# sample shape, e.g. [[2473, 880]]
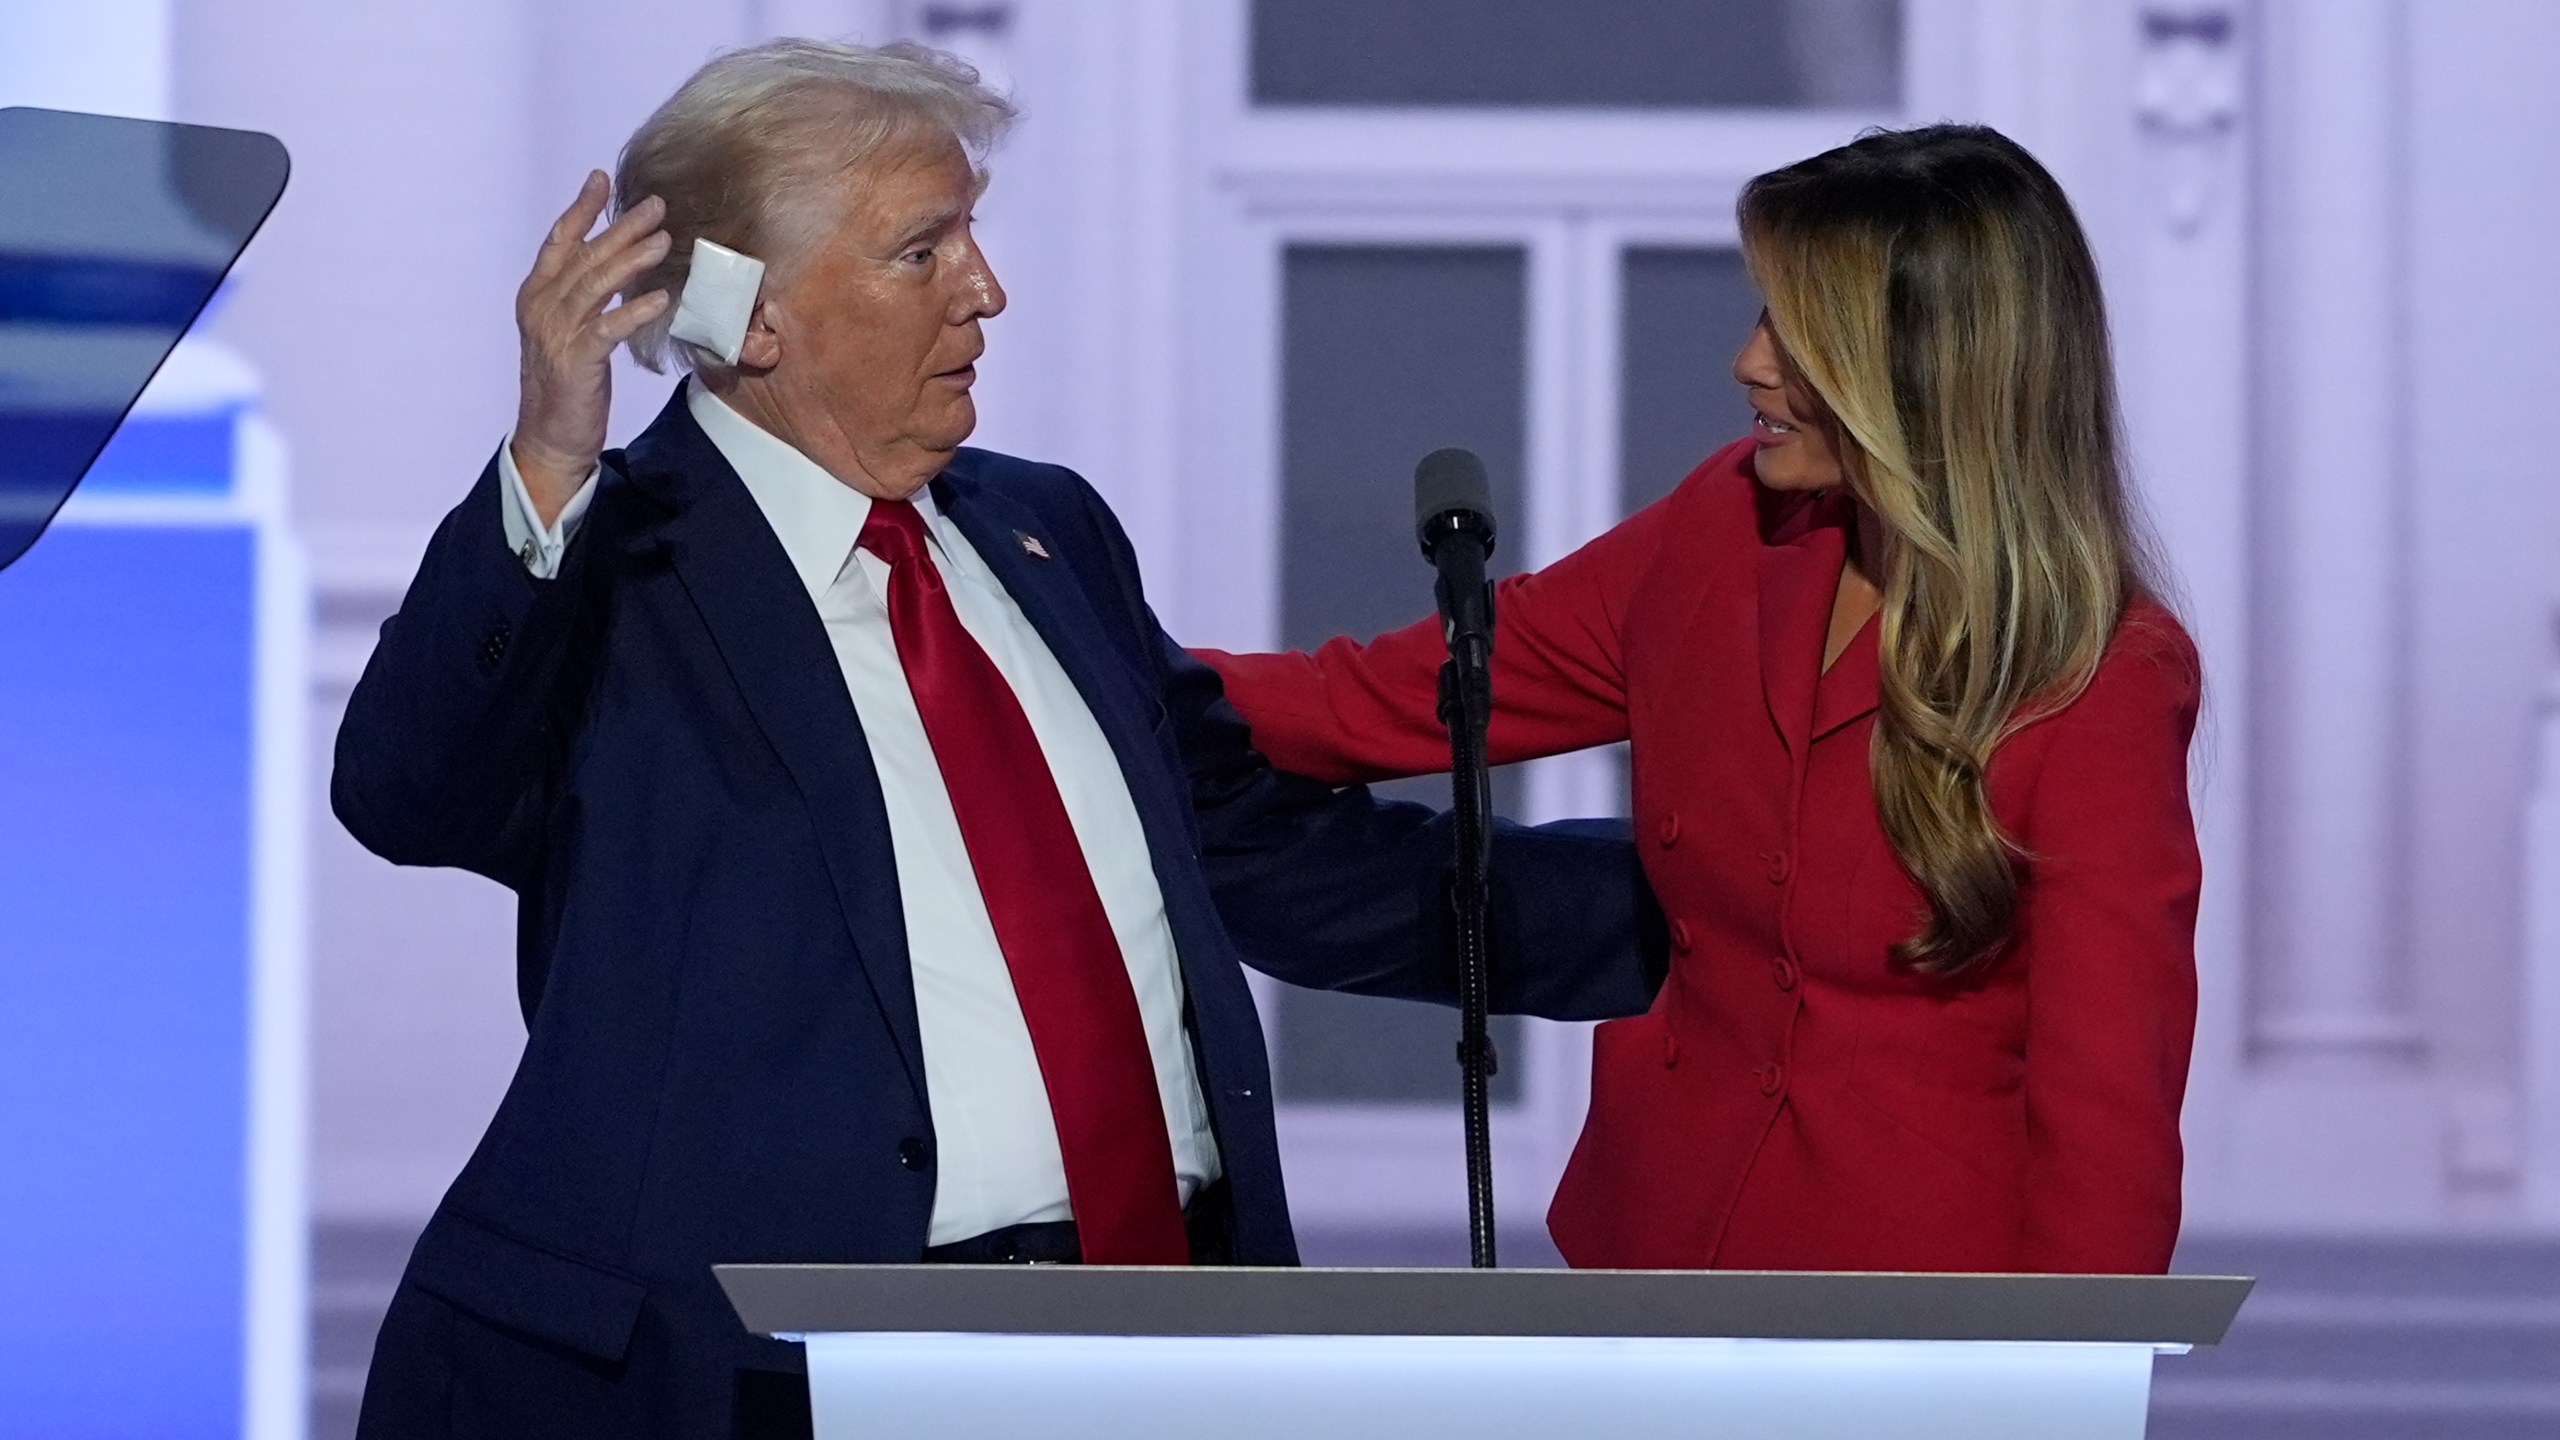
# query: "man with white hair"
[[877, 854]]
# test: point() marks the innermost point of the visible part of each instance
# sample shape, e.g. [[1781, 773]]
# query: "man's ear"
[[761, 348]]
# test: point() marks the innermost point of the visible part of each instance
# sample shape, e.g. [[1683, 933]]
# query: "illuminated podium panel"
[[152, 689], [1082, 1353]]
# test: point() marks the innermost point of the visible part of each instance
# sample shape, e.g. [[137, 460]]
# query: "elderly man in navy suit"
[[878, 856]]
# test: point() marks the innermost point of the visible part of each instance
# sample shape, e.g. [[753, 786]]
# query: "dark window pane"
[[1686, 313], [1592, 53], [1388, 353]]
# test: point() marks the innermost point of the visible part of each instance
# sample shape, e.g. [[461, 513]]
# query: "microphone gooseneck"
[[1453, 518]]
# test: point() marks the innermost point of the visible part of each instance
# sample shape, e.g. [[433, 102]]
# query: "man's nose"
[[981, 295]]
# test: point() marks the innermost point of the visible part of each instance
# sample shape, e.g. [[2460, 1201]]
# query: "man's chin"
[[952, 427]]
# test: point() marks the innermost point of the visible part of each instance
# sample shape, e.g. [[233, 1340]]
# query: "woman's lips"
[[1770, 432]]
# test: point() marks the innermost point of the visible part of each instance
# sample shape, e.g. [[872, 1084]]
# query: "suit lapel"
[[1004, 534], [776, 648]]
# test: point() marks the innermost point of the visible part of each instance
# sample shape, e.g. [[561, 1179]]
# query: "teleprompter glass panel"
[[1389, 353], [1647, 54], [113, 235]]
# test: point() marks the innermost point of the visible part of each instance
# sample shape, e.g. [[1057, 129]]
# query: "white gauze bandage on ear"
[[719, 298]]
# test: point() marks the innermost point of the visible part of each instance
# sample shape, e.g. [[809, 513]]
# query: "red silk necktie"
[[1049, 921]]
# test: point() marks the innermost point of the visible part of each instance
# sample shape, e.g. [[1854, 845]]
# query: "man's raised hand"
[[566, 380]]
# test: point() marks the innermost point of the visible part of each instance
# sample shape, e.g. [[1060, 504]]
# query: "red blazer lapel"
[[1849, 689], [1799, 571]]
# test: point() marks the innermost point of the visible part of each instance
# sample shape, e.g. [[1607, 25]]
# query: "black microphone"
[[1453, 517]]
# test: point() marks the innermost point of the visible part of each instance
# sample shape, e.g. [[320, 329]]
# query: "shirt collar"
[[816, 516]]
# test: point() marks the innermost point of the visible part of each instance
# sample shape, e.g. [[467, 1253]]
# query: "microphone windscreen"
[[1449, 480]]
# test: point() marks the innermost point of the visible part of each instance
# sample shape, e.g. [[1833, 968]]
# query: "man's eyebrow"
[[941, 219]]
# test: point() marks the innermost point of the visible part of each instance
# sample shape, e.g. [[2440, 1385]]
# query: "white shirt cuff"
[[537, 545]]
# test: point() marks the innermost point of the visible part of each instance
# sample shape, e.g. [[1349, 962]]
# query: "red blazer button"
[[1772, 1078], [1783, 970], [1680, 936], [1670, 831], [1779, 868]]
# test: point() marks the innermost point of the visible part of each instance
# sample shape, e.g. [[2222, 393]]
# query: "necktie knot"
[[894, 532]]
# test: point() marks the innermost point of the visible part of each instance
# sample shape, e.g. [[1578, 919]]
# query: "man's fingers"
[[573, 224], [624, 320], [632, 224], [575, 293], [586, 293], [580, 217], [632, 227]]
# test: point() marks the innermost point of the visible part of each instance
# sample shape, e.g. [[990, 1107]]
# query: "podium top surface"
[[799, 1300]]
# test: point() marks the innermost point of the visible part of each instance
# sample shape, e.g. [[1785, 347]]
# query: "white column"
[[2181, 314], [2329, 589], [2541, 989]]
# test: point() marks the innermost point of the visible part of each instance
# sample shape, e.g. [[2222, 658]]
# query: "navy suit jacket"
[[656, 752]]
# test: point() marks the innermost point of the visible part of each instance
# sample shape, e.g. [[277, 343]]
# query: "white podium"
[[1082, 1353]]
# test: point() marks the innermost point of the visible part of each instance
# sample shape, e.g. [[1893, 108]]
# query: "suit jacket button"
[[1783, 970], [1779, 866], [1670, 831], [913, 1153], [1680, 936], [1772, 1078]]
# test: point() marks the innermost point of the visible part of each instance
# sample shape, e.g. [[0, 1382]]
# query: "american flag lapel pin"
[[1031, 546]]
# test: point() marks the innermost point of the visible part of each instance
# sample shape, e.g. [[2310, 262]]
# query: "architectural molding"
[[2187, 98]]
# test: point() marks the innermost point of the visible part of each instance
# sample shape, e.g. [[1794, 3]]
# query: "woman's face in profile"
[[1796, 451]]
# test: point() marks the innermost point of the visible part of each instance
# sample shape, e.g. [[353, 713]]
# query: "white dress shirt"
[[997, 1142]]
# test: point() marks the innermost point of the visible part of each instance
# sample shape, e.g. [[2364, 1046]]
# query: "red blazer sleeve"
[[2107, 933], [1353, 713]]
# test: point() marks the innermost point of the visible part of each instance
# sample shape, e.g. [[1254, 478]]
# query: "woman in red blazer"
[[1910, 760]]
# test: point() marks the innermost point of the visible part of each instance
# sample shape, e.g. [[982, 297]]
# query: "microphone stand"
[[1466, 707]]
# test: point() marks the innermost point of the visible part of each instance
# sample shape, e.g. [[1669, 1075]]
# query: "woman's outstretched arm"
[[1348, 712]]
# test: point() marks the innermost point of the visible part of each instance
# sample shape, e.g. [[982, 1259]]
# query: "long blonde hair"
[[1934, 292]]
